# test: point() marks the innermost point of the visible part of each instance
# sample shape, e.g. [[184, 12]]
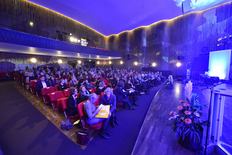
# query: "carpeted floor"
[[25, 131]]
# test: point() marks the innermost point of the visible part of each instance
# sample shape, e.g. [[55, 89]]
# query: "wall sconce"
[[110, 62], [98, 62], [33, 60], [31, 24], [178, 64], [79, 61], [153, 64], [136, 63], [60, 61], [89, 60], [121, 62]]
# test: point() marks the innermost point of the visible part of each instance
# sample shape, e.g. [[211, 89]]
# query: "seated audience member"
[[121, 95], [88, 85], [83, 94], [64, 77], [41, 84], [100, 89], [72, 102], [29, 78], [62, 86], [58, 75], [21, 74], [47, 78], [129, 87], [91, 111], [110, 99], [98, 82], [80, 83], [53, 81], [73, 82]]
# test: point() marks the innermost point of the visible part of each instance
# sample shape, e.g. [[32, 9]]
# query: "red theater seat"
[[98, 102], [91, 91], [80, 109], [56, 88], [45, 93], [66, 92], [54, 100], [32, 85], [63, 103]]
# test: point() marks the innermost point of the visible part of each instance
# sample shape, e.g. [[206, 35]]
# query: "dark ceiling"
[[114, 16]]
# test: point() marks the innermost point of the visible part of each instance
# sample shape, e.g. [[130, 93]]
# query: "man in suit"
[[121, 95], [41, 84]]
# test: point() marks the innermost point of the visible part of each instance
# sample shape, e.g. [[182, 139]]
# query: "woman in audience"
[[47, 78], [84, 94], [62, 86], [132, 95], [64, 77], [88, 85], [53, 81], [91, 111], [121, 96], [101, 88], [72, 102], [73, 82], [110, 99]]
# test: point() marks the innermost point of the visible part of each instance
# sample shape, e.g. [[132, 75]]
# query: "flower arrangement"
[[188, 118]]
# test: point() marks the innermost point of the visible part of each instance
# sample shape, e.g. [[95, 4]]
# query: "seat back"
[[66, 92], [56, 88], [80, 109], [32, 84], [91, 91], [63, 103], [47, 90], [38, 79], [22, 79], [54, 96], [98, 102], [60, 103]]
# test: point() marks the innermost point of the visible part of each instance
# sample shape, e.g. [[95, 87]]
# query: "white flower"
[[196, 114], [188, 90]]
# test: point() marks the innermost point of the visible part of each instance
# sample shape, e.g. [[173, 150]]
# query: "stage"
[[157, 138]]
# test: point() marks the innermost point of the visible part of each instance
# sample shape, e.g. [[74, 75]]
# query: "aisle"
[[24, 130]]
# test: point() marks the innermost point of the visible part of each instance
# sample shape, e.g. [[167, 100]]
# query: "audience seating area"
[[57, 100]]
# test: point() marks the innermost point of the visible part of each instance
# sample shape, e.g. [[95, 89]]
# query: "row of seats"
[[58, 100]]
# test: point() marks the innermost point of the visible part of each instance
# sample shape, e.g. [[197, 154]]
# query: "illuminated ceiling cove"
[[114, 16]]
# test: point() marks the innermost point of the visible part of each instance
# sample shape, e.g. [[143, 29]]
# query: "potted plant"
[[186, 122]]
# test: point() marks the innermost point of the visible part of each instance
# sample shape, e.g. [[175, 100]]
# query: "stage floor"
[[157, 138]]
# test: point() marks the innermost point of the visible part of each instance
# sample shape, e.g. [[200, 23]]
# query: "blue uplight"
[[219, 64], [199, 3]]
